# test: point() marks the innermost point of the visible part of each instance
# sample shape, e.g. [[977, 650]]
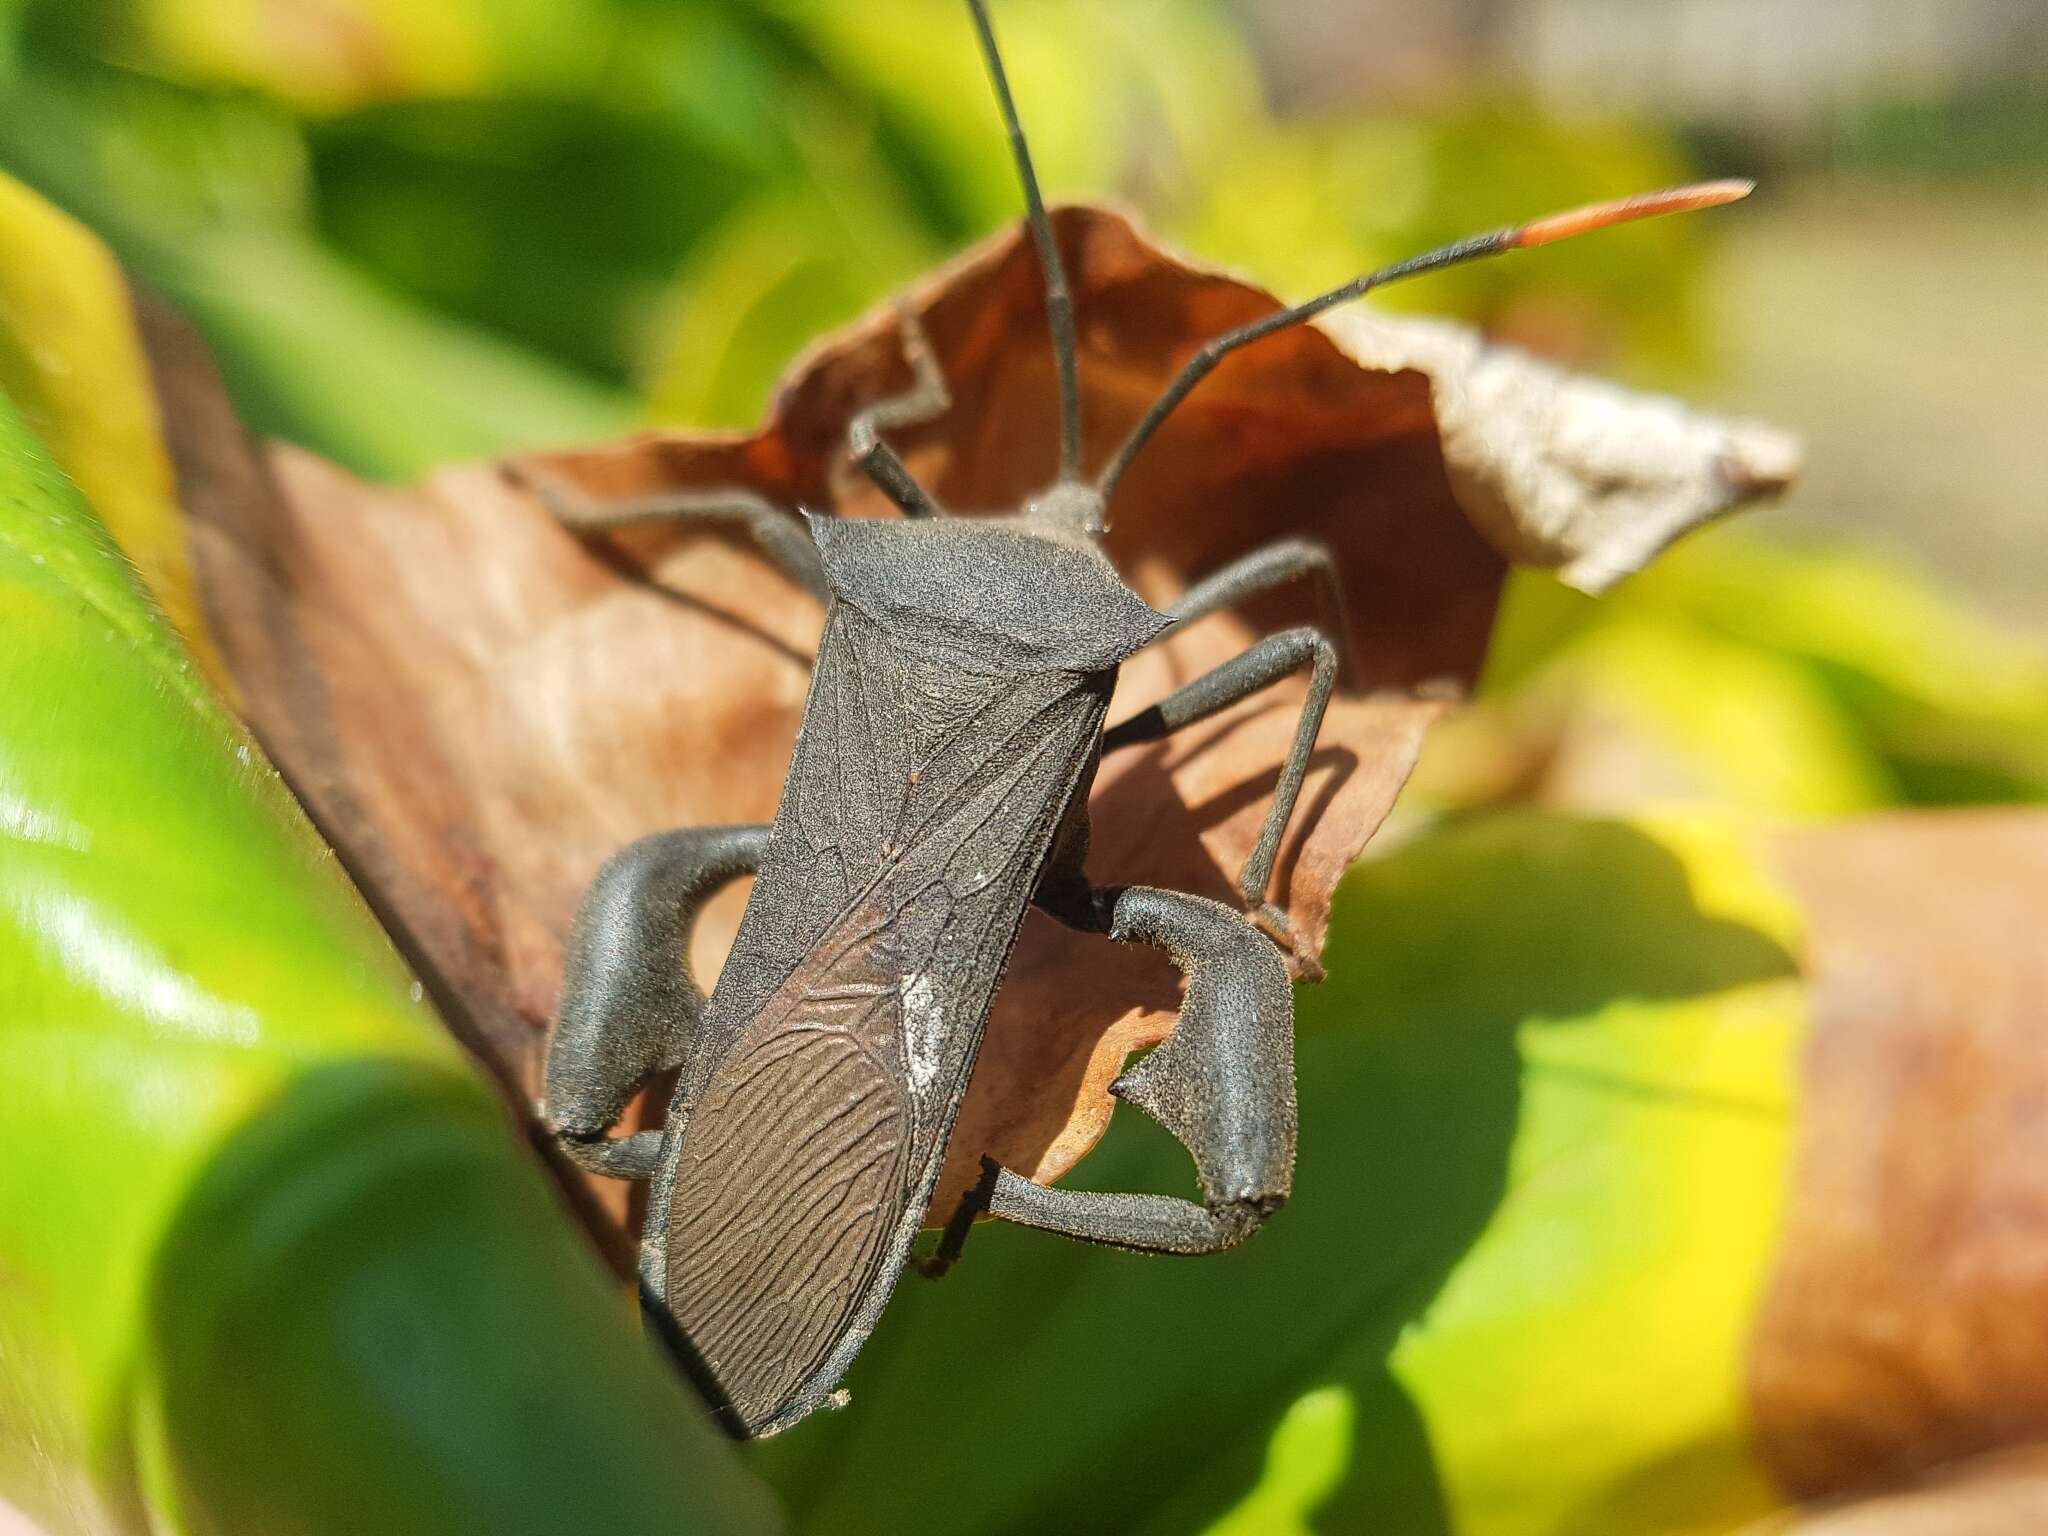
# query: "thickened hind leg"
[[1222, 1084], [630, 1007]]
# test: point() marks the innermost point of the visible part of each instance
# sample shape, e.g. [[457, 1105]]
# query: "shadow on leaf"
[[1412, 1078]]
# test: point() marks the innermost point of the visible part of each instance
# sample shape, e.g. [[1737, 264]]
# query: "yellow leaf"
[[1582, 1371], [321, 56], [73, 365]]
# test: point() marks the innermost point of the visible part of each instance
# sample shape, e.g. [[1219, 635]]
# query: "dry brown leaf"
[[1906, 1323], [2004, 1495], [479, 709]]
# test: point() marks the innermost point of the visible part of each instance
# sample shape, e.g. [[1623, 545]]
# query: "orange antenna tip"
[[1646, 205]]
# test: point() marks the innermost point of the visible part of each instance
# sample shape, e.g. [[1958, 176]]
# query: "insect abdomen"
[[788, 1190]]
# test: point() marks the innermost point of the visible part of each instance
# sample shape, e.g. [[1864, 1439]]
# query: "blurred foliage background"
[[542, 218], [421, 230], [416, 231]]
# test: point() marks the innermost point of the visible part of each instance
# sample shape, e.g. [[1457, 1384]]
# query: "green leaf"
[[254, 1197], [763, 286], [1306, 1460], [1780, 679], [554, 224], [194, 194]]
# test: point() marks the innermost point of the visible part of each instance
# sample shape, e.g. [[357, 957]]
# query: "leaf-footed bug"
[[939, 787]]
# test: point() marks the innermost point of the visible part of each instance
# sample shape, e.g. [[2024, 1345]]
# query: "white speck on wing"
[[924, 1028]]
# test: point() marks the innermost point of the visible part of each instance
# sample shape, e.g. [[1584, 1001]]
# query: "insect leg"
[[1263, 665], [630, 1006], [1262, 570], [1222, 1084], [774, 529], [926, 398]]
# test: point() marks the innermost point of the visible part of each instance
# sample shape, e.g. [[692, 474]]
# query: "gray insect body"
[[954, 712], [938, 789]]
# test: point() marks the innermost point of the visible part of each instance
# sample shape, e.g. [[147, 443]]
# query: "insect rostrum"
[[939, 787]]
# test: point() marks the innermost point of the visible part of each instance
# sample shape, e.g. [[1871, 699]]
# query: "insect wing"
[[788, 1189]]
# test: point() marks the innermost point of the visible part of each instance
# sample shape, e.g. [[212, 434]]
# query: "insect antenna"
[[1059, 301], [1543, 231]]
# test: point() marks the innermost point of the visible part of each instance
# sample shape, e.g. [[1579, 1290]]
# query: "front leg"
[[926, 399], [1261, 571], [776, 531], [630, 1007], [1222, 1084]]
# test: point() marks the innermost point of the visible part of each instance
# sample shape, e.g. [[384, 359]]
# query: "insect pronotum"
[[939, 787]]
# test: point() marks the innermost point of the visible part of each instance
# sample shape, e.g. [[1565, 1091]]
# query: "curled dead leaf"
[[479, 708], [1568, 473]]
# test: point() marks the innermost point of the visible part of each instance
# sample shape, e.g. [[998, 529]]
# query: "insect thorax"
[[991, 596]]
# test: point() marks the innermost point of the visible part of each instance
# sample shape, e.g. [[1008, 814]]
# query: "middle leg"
[[1268, 661], [1264, 569]]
